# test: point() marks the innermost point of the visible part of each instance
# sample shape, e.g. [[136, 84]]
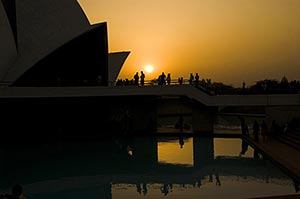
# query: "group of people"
[[136, 80], [163, 79], [194, 79], [262, 129]]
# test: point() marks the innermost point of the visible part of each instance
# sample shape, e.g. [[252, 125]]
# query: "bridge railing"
[[210, 89]]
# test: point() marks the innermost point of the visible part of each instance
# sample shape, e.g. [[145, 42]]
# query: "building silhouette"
[[50, 43]]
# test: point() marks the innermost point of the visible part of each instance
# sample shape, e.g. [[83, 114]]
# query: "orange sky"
[[226, 40]]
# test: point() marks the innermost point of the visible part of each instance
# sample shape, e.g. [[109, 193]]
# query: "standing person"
[[191, 80], [163, 78], [255, 130], [264, 130], [244, 88], [136, 79], [169, 79], [244, 127], [142, 78], [180, 80], [197, 79]]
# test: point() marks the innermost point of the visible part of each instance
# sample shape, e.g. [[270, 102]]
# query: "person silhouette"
[[17, 191], [169, 79], [199, 183], [145, 190], [264, 130], [197, 79], [136, 79], [142, 78], [138, 188], [165, 189], [244, 88], [191, 80], [218, 182], [244, 127], [181, 142], [255, 130]]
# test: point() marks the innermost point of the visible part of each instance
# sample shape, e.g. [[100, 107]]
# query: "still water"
[[159, 167]]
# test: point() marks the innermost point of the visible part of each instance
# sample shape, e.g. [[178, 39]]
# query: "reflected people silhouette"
[[218, 182], [210, 177], [145, 190], [165, 189], [244, 148], [138, 188], [296, 186], [181, 142], [199, 183]]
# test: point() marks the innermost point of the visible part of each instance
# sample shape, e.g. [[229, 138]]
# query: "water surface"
[[158, 167]]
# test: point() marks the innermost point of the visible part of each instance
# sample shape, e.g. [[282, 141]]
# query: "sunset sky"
[[226, 40]]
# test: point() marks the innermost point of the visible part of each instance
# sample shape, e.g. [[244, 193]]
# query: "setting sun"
[[149, 68]]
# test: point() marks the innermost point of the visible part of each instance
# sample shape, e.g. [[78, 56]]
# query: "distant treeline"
[[267, 86]]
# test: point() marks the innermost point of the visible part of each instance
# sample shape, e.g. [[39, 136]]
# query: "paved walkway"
[[281, 197], [281, 154]]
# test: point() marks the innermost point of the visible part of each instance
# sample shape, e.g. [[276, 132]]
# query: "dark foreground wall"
[[47, 119]]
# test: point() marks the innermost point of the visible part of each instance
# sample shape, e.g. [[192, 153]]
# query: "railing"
[[204, 87], [149, 83]]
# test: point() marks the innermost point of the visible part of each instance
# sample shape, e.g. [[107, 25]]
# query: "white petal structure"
[[55, 43], [8, 50], [115, 63]]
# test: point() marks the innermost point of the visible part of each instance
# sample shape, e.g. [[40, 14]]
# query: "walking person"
[[191, 80], [136, 79], [244, 88], [264, 130], [169, 79], [255, 130], [197, 79]]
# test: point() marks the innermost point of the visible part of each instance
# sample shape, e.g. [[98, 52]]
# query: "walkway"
[[281, 154], [284, 156], [171, 90], [296, 196]]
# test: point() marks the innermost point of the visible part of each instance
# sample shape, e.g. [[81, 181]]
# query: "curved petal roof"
[[8, 46], [115, 63], [43, 26]]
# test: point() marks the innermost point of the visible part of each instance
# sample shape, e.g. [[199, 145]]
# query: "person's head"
[[17, 190]]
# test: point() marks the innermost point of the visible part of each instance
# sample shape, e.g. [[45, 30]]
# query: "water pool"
[[140, 167]]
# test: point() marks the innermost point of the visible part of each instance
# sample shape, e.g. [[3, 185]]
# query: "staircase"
[[291, 137]]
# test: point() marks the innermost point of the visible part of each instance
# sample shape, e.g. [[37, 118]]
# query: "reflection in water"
[[181, 141], [143, 167], [175, 151]]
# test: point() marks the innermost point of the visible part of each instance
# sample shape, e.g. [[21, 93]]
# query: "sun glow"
[[149, 68]]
